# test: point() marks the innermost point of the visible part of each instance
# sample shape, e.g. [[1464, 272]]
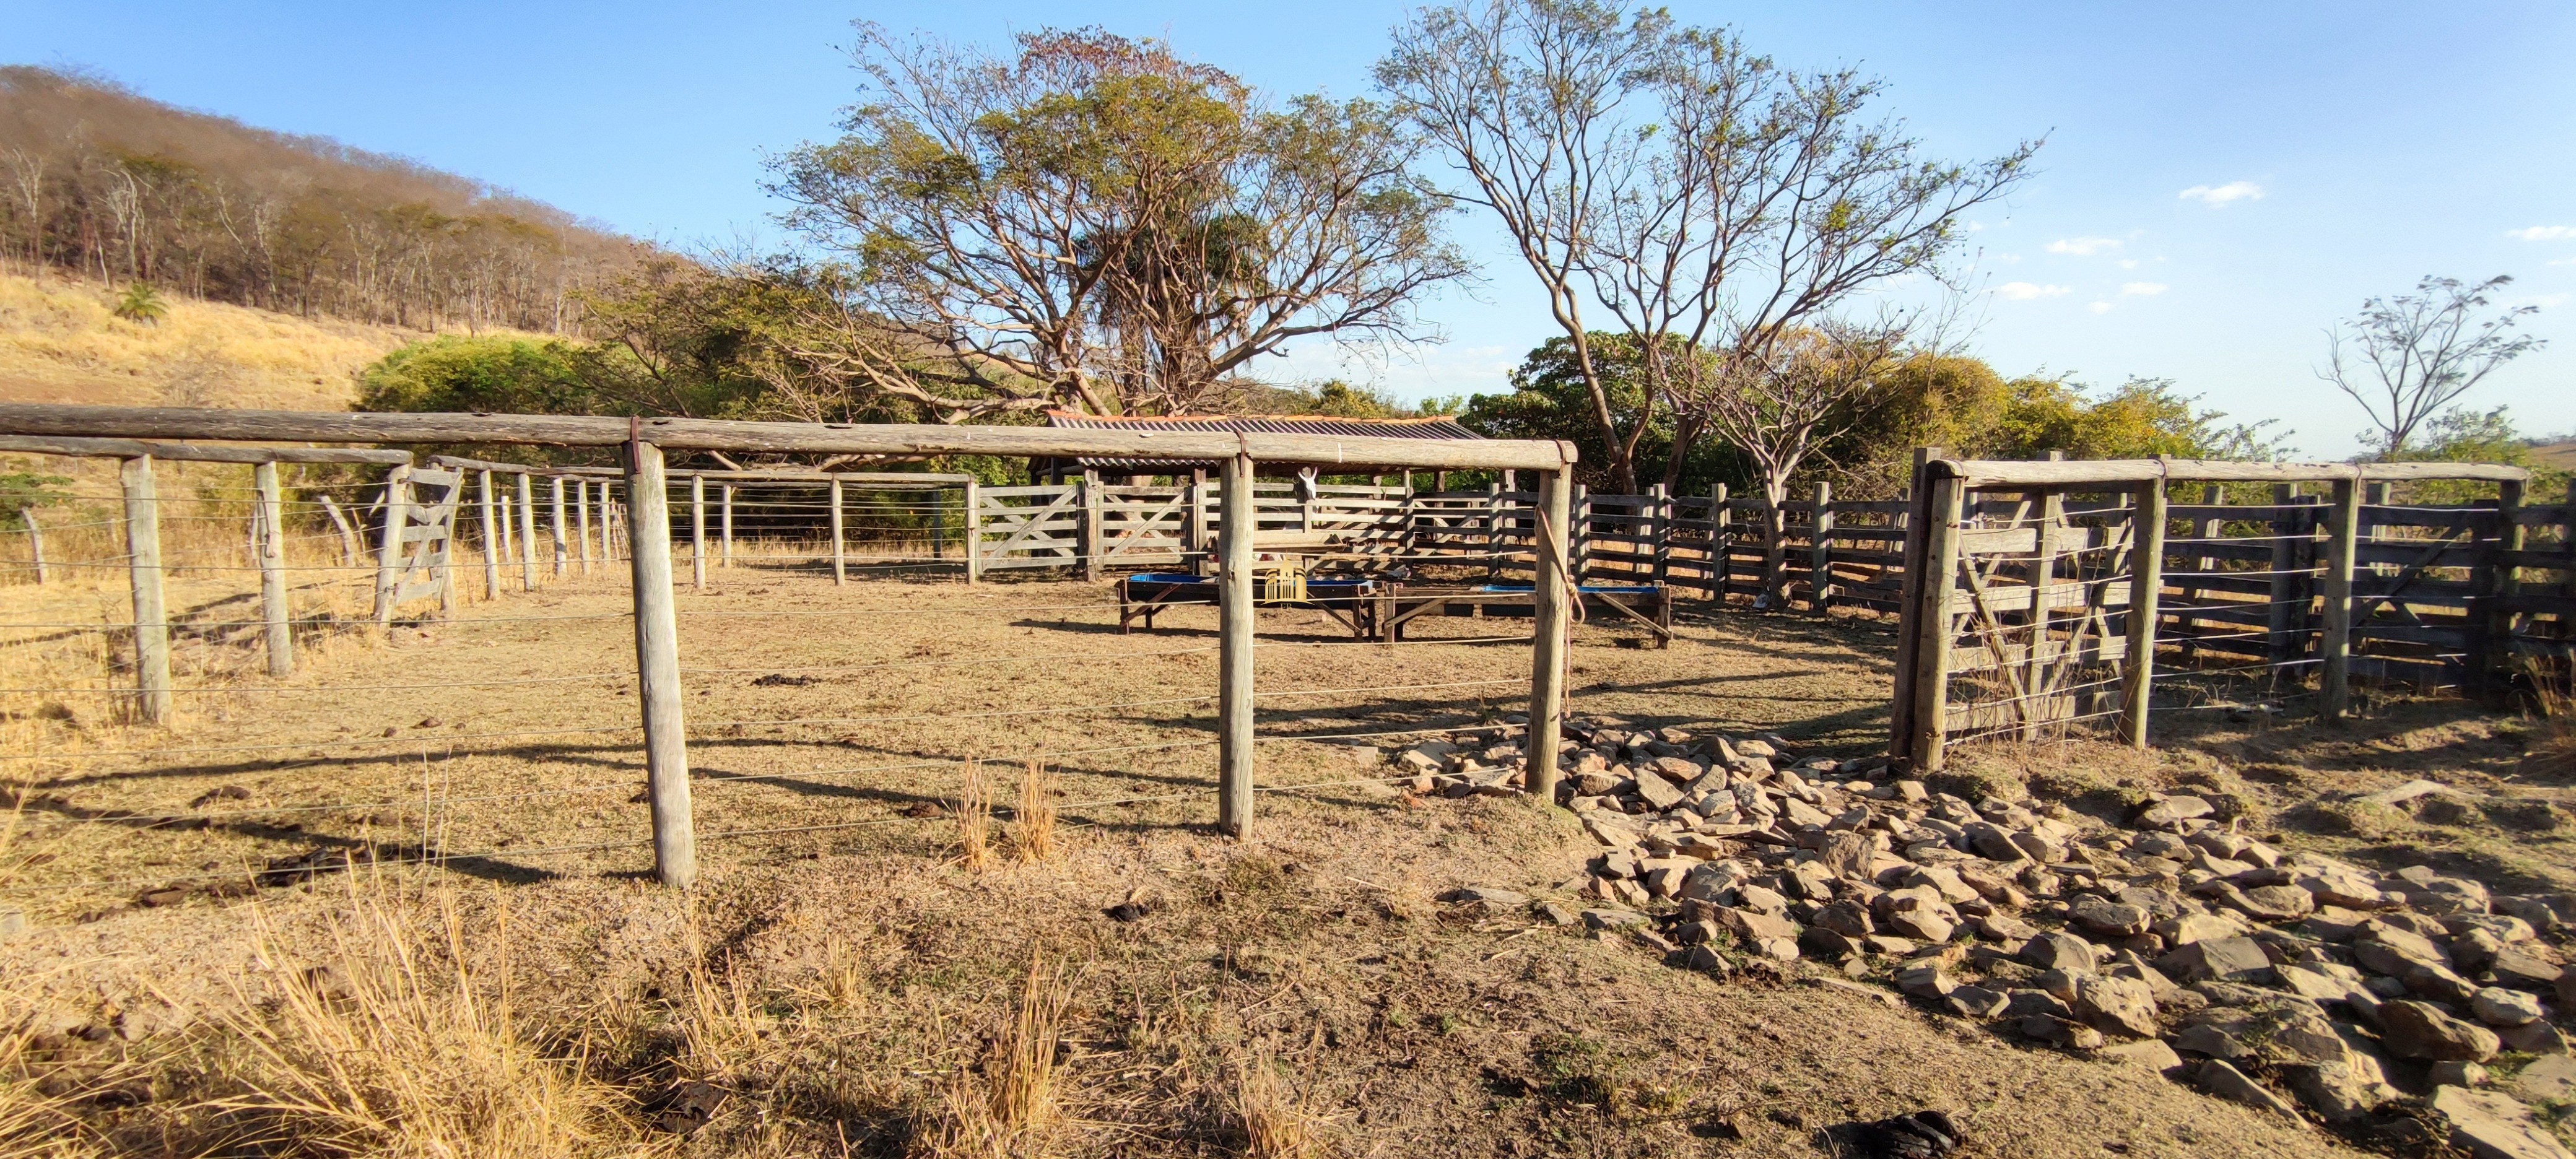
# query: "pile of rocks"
[[2279, 980]]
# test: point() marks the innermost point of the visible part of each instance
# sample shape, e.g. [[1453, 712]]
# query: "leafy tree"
[[457, 373], [1095, 222], [20, 490], [2140, 418], [2408, 357]]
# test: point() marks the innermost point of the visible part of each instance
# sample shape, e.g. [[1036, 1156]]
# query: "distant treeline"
[[106, 183]]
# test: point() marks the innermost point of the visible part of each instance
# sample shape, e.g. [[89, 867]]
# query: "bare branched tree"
[[1095, 222], [1781, 402], [2408, 357]]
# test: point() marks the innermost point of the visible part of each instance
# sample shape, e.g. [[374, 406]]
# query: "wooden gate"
[[419, 526], [1028, 526]]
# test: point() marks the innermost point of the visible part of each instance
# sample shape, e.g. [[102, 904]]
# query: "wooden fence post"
[[2146, 587], [607, 526], [1934, 635], [493, 544], [1911, 527], [151, 619], [272, 571], [1194, 541], [1237, 518], [1775, 553], [2283, 588], [1092, 544], [1578, 534], [348, 532], [554, 488], [1721, 544], [1820, 552], [840, 553], [2334, 647], [1547, 641], [397, 507], [35, 543], [657, 668], [527, 533], [581, 521], [1493, 530], [698, 531], [973, 529], [2490, 649], [1659, 529], [724, 503]]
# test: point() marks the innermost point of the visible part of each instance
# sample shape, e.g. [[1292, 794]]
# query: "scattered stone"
[[2058, 1031], [1612, 919], [2151, 1053], [2118, 1005], [2109, 919], [2338, 1092], [2456, 1074], [2497, 1006], [2058, 952], [1978, 1002], [2422, 1030], [2237, 959], [2229, 1083], [2534, 1038], [2550, 1079], [1929, 982], [2490, 1125], [1494, 896]]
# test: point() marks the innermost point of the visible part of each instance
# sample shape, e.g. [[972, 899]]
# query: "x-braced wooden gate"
[[418, 532]]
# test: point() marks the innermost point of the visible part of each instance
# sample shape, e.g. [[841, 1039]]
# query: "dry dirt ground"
[[837, 971]]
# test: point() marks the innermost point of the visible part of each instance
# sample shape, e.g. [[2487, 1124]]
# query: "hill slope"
[[59, 343]]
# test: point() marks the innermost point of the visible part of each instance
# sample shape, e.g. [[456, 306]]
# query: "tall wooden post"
[[2283, 588], [1935, 631], [389, 544], [527, 533], [1236, 519], [840, 553], [607, 525], [1820, 551], [1914, 530], [724, 501], [581, 520], [1493, 529], [1092, 544], [509, 541], [1578, 533], [1550, 575], [348, 533], [698, 531], [973, 529], [1721, 545], [151, 619], [2146, 587], [657, 668], [2491, 626], [1659, 529], [2334, 644], [562, 550], [35, 543], [493, 544], [272, 571]]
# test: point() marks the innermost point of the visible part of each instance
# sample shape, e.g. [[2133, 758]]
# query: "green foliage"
[[141, 303], [1549, 400], [453, 373], [2140, 418], [2462, 435], [20, 490], [1331, 397]]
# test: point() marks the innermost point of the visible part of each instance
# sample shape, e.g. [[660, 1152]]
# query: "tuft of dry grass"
[[1034, 828], [1266, 1111], [1007, 1107], [397, 1044], [40, 1116], [2553, 751], [974, 818]]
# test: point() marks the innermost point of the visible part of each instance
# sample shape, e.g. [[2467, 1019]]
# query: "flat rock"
[[1490, 895], [2058, 952], [2108, 919], [2490, 1125], [2549, 1079], [2337, 1091], [2229, 1083], [1977, 1002], [1613, 919], [2236, 959], [2151, 1053], [2116, 1005], [2497, 1006], [2421, 1030], [2524, 969], [2534, 1038], [1751, 927]]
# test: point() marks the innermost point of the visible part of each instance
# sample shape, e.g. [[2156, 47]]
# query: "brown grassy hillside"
[[60, 343]]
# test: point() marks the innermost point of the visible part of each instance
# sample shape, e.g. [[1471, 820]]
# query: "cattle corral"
[[462, 697]]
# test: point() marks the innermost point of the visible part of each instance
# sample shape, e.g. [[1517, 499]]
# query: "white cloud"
[[2128, 263], [2025, 291], [2544, 233], [2218, 195], [2083, 247], [2141, 289], [2100, 307]]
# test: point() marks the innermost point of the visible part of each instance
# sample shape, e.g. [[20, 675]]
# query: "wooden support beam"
[[607, 524], [698, 533], [1934, 632], [151, 615], [2334, 646], [581, 520], [1092, 544], [2280, 619], [1721, 544], [1820, 551], [561, 549], [389, 544], [35, 544], [1548, 601], [279, 619], [527, 533], [2491, 636], [840, 565], [657, 668], [2146, 584], [1236, 520], [724, 503], [904, 440], [182, 452], [973, 531]]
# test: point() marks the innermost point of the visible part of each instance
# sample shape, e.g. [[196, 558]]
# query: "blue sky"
[[2386, 141]]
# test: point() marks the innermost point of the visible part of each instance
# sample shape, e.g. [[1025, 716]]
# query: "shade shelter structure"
[[646, 480]]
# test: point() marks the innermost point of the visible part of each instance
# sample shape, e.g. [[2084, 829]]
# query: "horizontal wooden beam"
[[789, 438], [196, 452], [462, 463], [1999, 473]]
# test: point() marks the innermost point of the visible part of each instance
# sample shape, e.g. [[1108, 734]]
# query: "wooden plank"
[[2003, 474], [908, 440], [184, 452], [2334, 644], [397, 508]]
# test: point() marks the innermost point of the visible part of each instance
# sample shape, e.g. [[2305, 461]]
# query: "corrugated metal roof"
[[1435, 427]]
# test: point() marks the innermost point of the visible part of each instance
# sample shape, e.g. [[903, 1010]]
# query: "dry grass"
[[40, 1115], [2553, 748], [1033, 830], [61, 342], [1007, 1106], [397, 1043], [974, 817], [1267, 1111]]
